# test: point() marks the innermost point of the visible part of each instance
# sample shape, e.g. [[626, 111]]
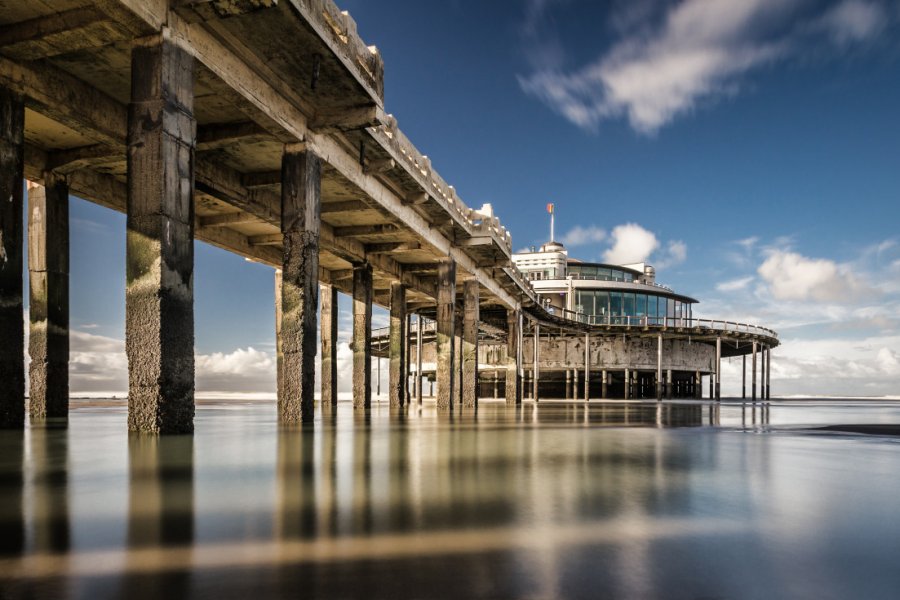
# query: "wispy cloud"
[[735, 285], [579, 236], [697, 51]]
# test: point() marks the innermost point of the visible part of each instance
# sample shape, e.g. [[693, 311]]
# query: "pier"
[[259, 127]]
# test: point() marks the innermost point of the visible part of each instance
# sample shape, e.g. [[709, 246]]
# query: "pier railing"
[[662, 322]]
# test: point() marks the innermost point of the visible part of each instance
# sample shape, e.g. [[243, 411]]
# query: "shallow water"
[[639, 500]]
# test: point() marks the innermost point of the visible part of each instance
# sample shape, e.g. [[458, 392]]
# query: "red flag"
[[550, 208]]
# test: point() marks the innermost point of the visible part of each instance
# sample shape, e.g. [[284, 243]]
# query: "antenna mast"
[[550, 210]]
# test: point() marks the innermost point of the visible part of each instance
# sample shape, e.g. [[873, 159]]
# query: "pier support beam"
[[762, 372], [513, 355], [48, 272], [397, 346], [301, 174], [744, 376], [362, 335], [457, 358], [669, 386], [329, 334], [604, 384], [627, 384], [718, 368], [420, 328], [445, 332], [768, 371], [698, 385], [659, 345], [753, 373], [159, 292], [536, 355], [471, 316], [576, 384], [12, 328], [568, 393], [587, 367]]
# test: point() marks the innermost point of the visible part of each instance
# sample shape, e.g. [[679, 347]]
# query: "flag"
[[550, 208]]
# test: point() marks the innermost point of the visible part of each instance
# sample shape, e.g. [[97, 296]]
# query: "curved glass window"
[[613, 307]]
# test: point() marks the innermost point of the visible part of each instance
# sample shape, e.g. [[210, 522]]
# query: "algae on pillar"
[[48, 271], [445, 332], [471, 317], [159, 293], [362, 335], [301, 173], [12, 328], [397, 346]]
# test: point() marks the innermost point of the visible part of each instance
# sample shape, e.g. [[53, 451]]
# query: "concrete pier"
[[587, 367], [471, 317], [398, 346], [329, 335], [48, 272], [718, 368], [12, 328], [362, 335], [536, 367], [300, 207], [513, 356], [753, 373], [446, 332], [420, 332], [159, 292], [659, 353]]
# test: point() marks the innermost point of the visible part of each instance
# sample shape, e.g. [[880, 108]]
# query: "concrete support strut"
[[419, 380], [362, 335], [48, 272], [329, 335], [513, 354], [301, 174], [587, 367], [627, 383], [536, 368], [457, 358], [159, 292], [718, 368], [744, 376], [762, 373], [604, 384], [768, 371], [753, 373], [12, 329], [471, 316], [445, 332], [397, 346], [659, 351]]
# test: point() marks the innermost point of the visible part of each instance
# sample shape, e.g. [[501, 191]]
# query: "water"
[[620, 500]]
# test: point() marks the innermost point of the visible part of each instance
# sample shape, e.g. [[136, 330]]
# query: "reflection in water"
[[554, 500]]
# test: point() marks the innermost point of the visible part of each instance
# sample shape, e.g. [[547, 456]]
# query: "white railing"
[[663, 322]]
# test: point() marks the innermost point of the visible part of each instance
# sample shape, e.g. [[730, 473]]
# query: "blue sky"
[[748, 148]]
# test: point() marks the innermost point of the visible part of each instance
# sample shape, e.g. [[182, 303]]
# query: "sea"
[[795, 498]]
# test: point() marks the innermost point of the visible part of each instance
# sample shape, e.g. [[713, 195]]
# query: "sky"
[[749, 149]]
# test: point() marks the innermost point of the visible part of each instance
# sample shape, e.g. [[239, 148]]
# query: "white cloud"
[[699, 52], [888, 361], [791, 276], [631, 243], [579, 236], [735, 285], [675, 254]]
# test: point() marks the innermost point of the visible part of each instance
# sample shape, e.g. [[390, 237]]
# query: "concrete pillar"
[[48, 272], [698, 385], [718, 368], [576, 384], [659, 352], [159, 291], [329, 335], [762, 373], [536, 355], [768, 371], [744, 376], [407, 357], [587, 367], [604, 384], [420, 328], [300, 208], [12, 328], [669, 387], [279, 354], [627, 384], [397, 346], [457, 358], [753, 373], [513, 355], [471, 316], [568, 384], [362, 335], [496, 384], [445, 332]]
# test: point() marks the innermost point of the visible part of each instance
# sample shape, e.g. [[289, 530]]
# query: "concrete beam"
[[329, 335], [235, 218], [471, 318], [48, 272], [362, 335], [397, 346], [445, 332], [12, 329], [159, 293], [300, 200]]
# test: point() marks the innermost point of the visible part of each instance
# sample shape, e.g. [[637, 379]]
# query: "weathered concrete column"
[[768, 371], [12, 328], [576, 384], [587, 367], [420, 325], [568, 384], [471, 317], [159, 292], [627, 383], [698, 385], [604, 384], [753, 373], [496, 384], [762, 373], [301, 174], [718, 368], [457, 358], [669, 387], [513, 377], [397, 347], [744, 376], [329, 334], [659, 345], [279, 354], [362, 335], [445, 332], [48, 272], [536, 368]]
